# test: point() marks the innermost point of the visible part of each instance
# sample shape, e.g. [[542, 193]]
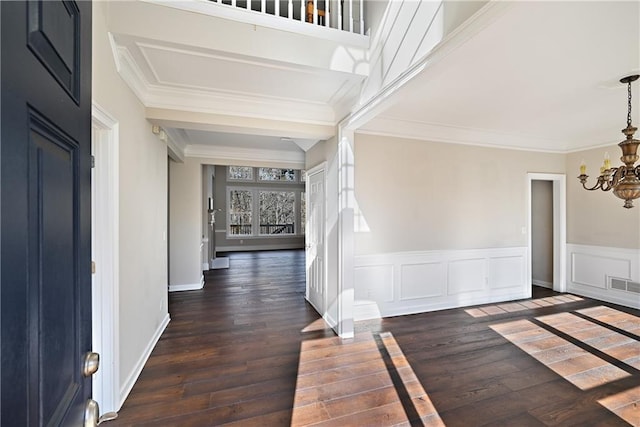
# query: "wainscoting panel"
[[373, 280], [591, 269], [417, 280], [412, 282], [466, 275], [506, 270]]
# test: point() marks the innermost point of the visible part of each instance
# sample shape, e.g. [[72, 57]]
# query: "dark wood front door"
[[45, 294]]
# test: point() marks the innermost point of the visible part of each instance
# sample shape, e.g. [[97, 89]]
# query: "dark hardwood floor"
[[248, 350]]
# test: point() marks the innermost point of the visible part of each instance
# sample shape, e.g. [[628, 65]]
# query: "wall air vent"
[[624, 285]]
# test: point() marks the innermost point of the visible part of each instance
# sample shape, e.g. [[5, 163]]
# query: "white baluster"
[[340, 14], [248, 4], [290, 10], [263, 6], [233, 3], [361, 17], [327, 14], [277, 12], [315, 12], [303, 10], [350, 15]]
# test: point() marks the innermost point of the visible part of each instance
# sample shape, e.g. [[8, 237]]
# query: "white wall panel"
[[421, 281], [593, 266], [376, 283], [466, 275], [592, 270], [506, 271], [391, 284]]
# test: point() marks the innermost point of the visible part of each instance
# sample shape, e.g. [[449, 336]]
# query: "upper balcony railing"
[[339, 14]]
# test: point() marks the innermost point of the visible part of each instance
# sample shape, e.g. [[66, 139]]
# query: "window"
[[277, 212], [240, 173], [275, 174], [240, 212]]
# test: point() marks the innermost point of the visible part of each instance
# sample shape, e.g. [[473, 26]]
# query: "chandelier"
[[624, 180]]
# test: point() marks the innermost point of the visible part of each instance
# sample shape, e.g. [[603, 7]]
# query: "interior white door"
[[315, 192]]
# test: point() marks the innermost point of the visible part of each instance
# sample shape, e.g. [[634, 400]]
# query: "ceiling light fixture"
[[625, 179]]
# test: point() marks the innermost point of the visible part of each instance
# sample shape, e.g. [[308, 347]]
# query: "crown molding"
[[218, 102], [230, 155], [434, 132]]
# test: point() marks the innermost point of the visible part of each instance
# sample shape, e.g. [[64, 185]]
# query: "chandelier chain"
[[629, 110]]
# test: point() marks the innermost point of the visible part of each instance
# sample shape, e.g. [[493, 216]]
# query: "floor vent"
[[624, 285]]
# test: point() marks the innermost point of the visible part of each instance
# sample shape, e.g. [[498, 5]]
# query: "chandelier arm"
[[597, 186]]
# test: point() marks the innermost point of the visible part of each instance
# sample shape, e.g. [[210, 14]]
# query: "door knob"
[[91, 363], [91, 413]]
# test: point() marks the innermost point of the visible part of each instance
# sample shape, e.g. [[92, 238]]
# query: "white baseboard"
[[188, 286], [133, 376], [219, 263], [240, 248], [591, 267], [401, 283], [205, 266], [542, 283]]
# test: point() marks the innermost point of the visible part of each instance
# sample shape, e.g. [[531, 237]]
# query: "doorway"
[[105, 256], [547, 212]]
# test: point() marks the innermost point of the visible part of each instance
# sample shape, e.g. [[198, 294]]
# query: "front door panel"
[[45, 294]]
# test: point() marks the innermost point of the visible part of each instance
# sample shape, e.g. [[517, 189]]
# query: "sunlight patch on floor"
[[580, 367], [349, 382], [625, 404], [612, 343], [510, 307]]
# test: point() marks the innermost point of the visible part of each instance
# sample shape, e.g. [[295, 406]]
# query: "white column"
[[346, 203]]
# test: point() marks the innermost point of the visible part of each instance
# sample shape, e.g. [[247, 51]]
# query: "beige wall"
[[595, 217], [542, 232], [418, 195], [185, 222], [143, 206]]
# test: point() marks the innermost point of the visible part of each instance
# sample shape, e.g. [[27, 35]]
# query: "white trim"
[[135, 373], [593, 266], [205, 266], [188, 286], [559, 227], [105, 236]]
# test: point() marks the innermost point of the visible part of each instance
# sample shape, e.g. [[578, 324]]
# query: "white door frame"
[[105, 247], [317, 169], [559, 227]]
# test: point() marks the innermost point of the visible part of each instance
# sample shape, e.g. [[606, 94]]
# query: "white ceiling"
[[543, 76]]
